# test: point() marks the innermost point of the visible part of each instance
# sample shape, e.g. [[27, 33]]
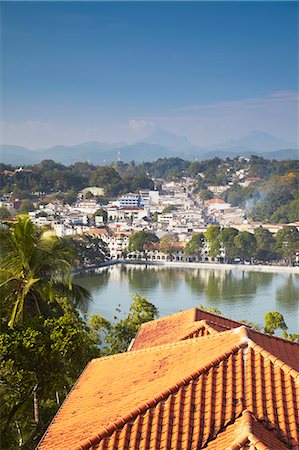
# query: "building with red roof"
[[192, 380]]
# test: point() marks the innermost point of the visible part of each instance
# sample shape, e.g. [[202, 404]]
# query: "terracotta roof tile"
[[283, 349], [192, 322], [246, 433], [186, 395], [272, 394], [100, 404]]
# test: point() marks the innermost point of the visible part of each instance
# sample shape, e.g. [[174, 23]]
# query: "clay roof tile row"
[[230, 389]]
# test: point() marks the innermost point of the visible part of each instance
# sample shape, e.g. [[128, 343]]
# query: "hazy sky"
[[81, 71]]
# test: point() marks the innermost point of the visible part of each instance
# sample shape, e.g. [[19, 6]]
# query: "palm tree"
[[35, 273]]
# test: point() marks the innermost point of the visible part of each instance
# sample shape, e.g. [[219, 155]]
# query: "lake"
[[237, 293]]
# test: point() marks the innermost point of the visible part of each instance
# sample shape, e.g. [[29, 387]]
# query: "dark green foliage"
[[88, 195], [245, 243], [141, 241], [4, 213], [212, 238], [169, 209], [274, 320], [88, 250], [195, 245], [287, 242], [102, 212], [35, 268], [211, 309], [115, 337], [227, 239], [265, 244], [206, 195], [26, 206], [45, 356]]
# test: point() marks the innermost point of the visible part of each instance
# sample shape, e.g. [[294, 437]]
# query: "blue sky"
[[79, 71]]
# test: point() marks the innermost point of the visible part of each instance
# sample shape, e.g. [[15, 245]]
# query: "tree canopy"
[[195, 245], [35, 269], [142, 240]]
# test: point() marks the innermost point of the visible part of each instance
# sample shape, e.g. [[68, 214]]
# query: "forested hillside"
[[272, 198]]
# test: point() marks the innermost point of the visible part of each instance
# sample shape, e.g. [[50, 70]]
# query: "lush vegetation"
[[273, 198], [260, 245], [45, 341], [226, 244]]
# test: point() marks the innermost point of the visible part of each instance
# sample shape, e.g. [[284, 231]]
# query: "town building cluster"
[[174, 209]]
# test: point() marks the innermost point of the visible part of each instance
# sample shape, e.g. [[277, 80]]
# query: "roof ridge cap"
[[275, 360], [198, 324], [258, 444], [243, 430], [163, 395], [170, 315], [219, 316], [162, 346], [273, 336]]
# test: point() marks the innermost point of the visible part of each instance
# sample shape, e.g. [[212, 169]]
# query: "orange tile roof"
[[185, 324], [215, 200], [246, 433], [186, 395]]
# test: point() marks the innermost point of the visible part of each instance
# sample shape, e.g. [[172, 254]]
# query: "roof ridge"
[[198, 325], [164, 346], [273, 336], [274, 359], [244, 428], [204, 324], [162, 396], [170, 315], [219, 316]]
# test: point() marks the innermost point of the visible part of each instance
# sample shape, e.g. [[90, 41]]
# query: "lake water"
[[238, 294]]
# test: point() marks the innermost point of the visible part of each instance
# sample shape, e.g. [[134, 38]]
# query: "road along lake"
[[239, 294]]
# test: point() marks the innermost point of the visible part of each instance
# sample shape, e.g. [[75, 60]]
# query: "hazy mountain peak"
[[167, 139], [255, 140]]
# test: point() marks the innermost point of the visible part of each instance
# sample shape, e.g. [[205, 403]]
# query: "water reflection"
[[94, 282], [142, 278], [238, 294], [232, 286], [287, 295]]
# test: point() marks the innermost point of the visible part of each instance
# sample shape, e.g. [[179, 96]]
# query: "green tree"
[[246, 245], [26, 206], [211, 309], [195, 245], [40, 361], [35, 268], [265, 244], [287, 242], [169, 209], [206, 195], [212, 238], [89, 195], [115, 337], [4, 213], [141, 241], [274, 320], [102, 212], [227, 239], [89, 250]]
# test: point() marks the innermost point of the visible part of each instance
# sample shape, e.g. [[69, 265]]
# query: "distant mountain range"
[[160, 144]]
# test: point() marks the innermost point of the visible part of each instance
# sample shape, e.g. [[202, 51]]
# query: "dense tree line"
[[45, 342], [225, 244], [272, 199], [53, 178]]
